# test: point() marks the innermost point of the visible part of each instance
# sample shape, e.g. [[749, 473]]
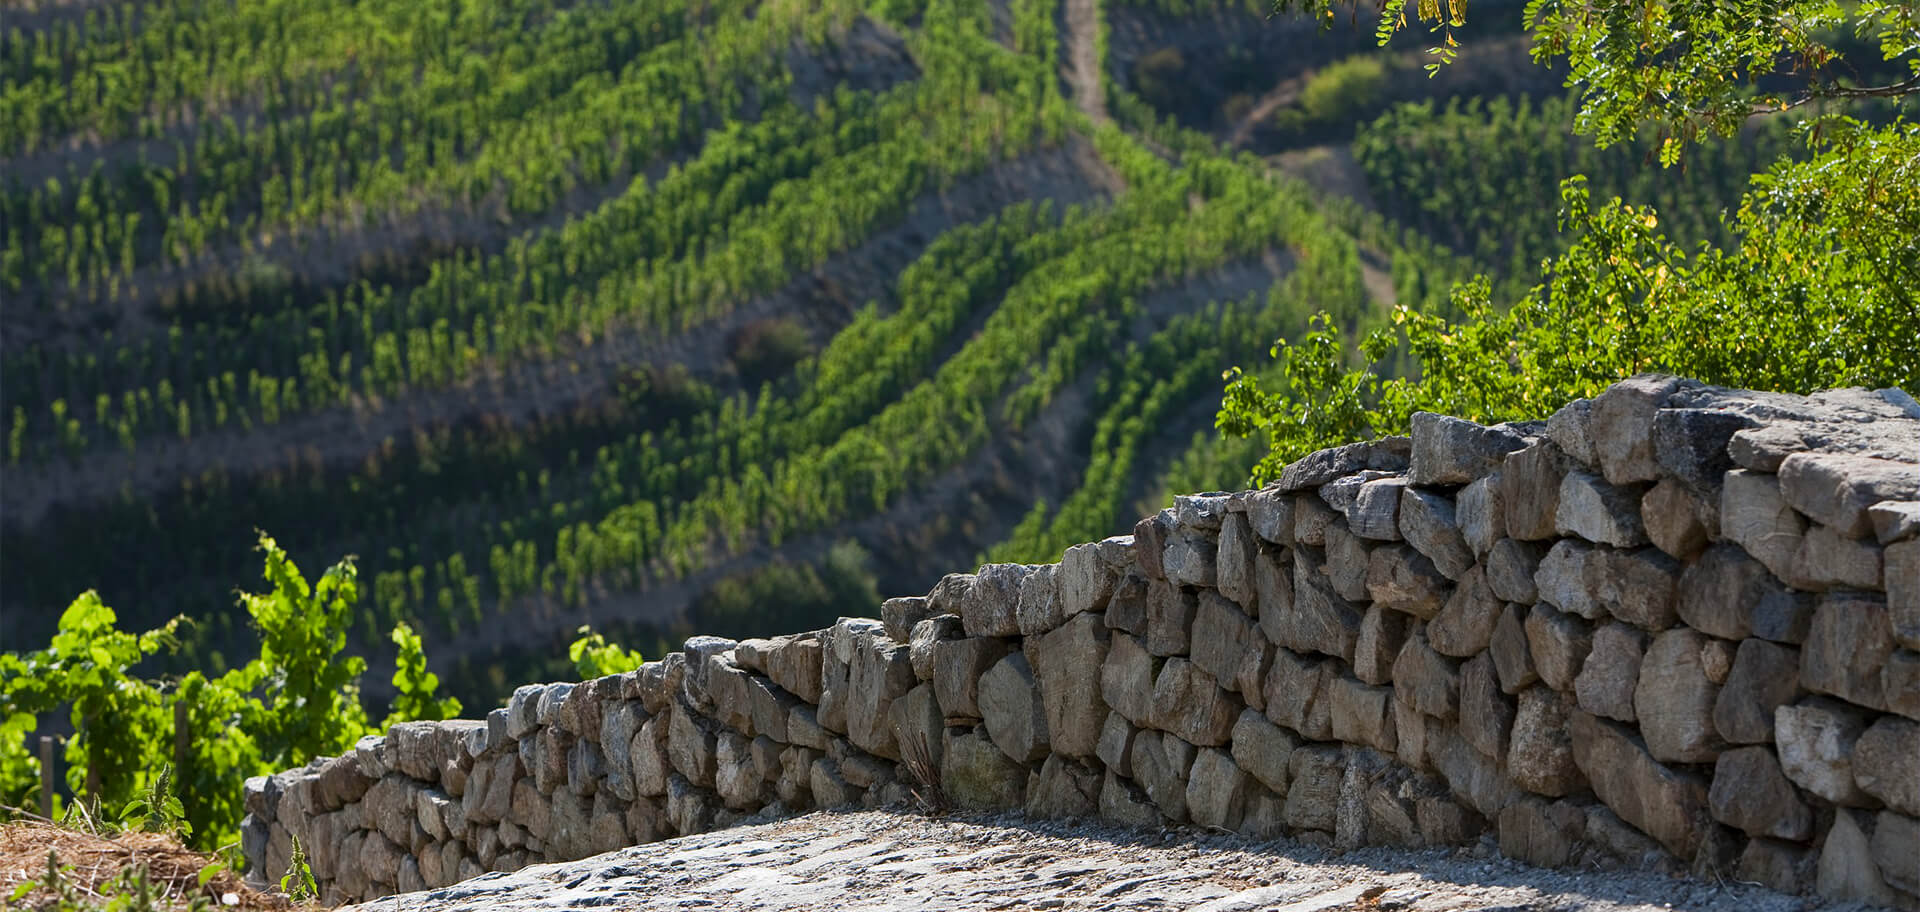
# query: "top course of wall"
[[1674, 626]]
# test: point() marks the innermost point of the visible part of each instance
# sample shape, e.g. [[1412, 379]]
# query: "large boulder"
[[1061, 662], [1816, 739], [1189, 703], [1450, 451], [991, 604], [957, 667], [1750, 793], [976, 774], [1674, 699], [1016, 717], [1669, 805], [1126, 679]]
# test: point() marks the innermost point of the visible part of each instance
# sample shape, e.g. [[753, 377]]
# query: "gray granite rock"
[[1611, 673], [1621, 427], [1599, 512], [1189, 703], [1451, 451], [1764, 677], [1430, 523], [1010, 702], [1886, 763], [1755, 516], [1674, 699], [1836, 490], [1041, 607], [1815, 739], [1061, 661], [1662, 802], [1480, 508], [990, 606], [1751, 794]]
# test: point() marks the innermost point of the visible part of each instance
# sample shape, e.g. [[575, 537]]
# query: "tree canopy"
[[1813, 288]]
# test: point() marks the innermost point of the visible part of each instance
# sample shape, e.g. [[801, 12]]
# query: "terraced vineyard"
[[653, 315]]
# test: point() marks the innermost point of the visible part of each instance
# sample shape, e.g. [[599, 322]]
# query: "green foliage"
[[1483, 176], [116, 719], [767, 350], [1817, 294], [414, 685], [1809, 284], [298, 882], [311, 705], [593, 657], [1344, 89], [297, 700], [159, 810], [1696, 69]]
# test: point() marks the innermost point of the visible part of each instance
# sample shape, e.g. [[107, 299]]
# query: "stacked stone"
[[1673, 626]]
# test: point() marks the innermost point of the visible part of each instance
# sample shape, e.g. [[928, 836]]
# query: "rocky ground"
[[875, 860]]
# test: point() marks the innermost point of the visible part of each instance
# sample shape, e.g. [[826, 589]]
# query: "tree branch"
[[1830, 91]]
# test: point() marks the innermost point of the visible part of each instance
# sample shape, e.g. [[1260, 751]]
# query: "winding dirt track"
[[1083, 59]]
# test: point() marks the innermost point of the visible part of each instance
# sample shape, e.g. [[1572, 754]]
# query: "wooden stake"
[[182, 742], [46, 776]]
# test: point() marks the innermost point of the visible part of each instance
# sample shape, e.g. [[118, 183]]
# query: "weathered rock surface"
[[878, 859], [1589, 641]]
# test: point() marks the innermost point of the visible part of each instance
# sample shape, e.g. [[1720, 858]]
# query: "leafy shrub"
[[594, 657], [765, 350], [1813, 295], [1345, 89], [1156, 77], [297, 700]]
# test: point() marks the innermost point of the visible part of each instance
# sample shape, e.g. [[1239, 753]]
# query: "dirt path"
[[1083, 58], [898, 860], [1286, 93]]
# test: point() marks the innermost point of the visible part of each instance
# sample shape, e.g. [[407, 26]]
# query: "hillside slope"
[[654, 316]]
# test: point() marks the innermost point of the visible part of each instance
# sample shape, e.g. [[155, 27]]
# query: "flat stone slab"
[[899, 860]]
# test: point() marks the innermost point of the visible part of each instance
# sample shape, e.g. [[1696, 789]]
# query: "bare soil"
[[90, 864]]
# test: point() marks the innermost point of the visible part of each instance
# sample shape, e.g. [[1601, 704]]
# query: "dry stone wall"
[[1673, 626]]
